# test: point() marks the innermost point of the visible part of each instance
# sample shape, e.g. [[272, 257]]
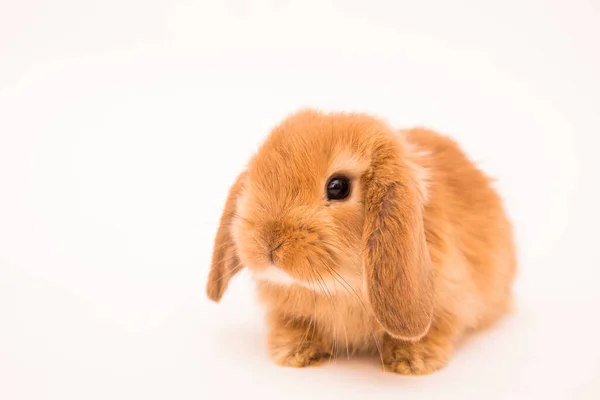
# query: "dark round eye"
[[338, 188]]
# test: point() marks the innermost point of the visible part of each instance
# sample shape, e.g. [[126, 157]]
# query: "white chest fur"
[[335, 284], [338, 307]]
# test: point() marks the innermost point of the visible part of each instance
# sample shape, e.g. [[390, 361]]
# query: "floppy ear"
[[397, 265], [225, 262]]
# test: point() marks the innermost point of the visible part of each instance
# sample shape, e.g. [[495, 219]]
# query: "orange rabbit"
[[363, 239]]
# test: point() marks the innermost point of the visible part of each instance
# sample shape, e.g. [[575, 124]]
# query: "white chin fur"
[[277, 276]]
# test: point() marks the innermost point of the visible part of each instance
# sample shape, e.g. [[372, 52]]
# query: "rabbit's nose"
[[271, 234]]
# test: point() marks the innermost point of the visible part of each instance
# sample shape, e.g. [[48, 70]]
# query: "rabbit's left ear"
[[397, 264], [225, 261]]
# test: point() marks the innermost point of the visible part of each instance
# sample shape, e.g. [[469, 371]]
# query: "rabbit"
[[364, 239]]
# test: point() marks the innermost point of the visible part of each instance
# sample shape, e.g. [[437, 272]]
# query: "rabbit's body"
[[437, 258]]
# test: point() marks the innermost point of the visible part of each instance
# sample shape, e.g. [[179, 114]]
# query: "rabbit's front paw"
[[296, 356], [415, 358]]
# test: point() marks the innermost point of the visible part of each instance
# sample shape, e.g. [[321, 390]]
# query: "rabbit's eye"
[[338, 188]]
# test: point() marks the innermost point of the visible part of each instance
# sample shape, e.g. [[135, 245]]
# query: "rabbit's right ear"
[[225, 261], [397, 264]]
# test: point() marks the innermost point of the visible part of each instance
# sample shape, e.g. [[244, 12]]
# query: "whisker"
[[346, 285], [227, 260], [333, 271], [334, 344], [343, 322], [346, 336], [305, 336], [378, 350], [227, 274], [222, 245], [237, 216], [311, 284]]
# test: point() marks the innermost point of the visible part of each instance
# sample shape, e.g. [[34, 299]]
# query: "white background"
[[123, 123]]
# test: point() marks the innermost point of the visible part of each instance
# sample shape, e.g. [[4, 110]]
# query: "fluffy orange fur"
[[419, 255]]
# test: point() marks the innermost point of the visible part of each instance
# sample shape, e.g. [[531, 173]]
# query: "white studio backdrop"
[[123, 123]]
